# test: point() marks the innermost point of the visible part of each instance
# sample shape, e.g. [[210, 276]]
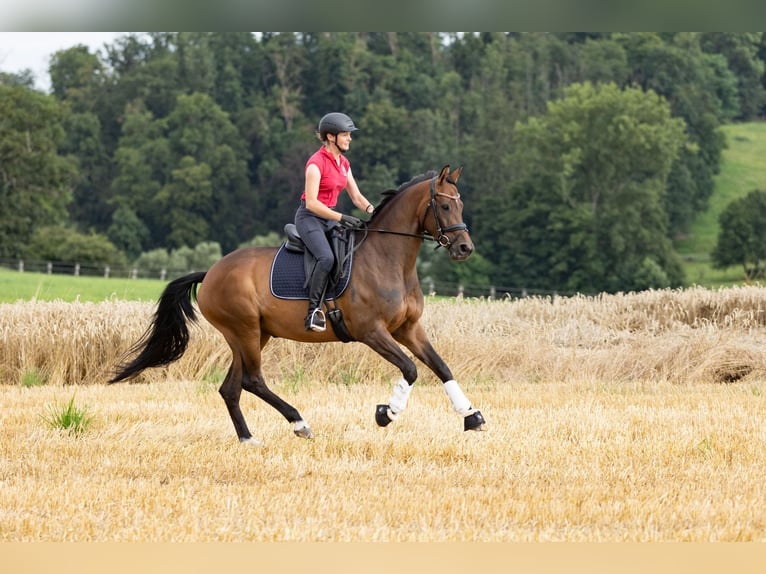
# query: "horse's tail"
[[166, 338]]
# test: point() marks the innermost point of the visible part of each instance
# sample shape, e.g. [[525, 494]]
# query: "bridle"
[[441, 238]]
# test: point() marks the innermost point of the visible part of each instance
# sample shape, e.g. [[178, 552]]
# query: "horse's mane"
[[390, 194]]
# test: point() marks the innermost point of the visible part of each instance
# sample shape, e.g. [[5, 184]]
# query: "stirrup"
[[315, 321]]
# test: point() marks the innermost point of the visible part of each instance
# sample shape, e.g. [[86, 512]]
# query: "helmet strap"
[[335, 143]]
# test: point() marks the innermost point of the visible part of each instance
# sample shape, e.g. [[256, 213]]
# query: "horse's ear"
[[443, 173], [456, 174]]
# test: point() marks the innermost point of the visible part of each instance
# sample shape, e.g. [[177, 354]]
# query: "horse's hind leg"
[[231, 390], [239, 378], [253, 382]]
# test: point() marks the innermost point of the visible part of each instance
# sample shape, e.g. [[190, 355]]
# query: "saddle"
[[342, 245]]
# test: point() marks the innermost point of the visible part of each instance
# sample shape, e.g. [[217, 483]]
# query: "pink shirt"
[[333, 176]]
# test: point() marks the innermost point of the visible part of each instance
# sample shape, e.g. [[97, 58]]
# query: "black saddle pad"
[[288, 277]]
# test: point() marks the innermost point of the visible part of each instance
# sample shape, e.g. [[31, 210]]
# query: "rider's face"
[[343, 140]]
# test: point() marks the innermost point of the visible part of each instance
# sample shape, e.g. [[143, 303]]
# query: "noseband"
[[442, 239]]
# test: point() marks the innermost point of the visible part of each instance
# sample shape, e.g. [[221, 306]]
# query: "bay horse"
[[382, 305]]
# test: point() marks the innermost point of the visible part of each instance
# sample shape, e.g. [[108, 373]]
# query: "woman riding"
[[328, 172]]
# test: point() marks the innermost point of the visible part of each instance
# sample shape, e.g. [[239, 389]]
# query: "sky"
[[32, 50]]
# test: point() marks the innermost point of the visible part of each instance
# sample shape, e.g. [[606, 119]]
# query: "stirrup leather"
[[315, 321]]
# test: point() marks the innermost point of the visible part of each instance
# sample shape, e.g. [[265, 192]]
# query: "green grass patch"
[[211, 380], [32, 378], [69, 418], [742, 171], [15, 286]]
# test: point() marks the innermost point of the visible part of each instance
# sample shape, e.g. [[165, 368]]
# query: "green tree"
[[586, 212], [143, 68], [383, 125], [325, 77], [185, 202], [35, 180], [208, 157], [25, 78], [185, 175], [692, 81], [740, 50], [152, 262], [488, 114], [601, 60], [76, 77], [90, 207], [742, 236], [77, 80], [128, 232], [59, 243], [205, 255], [141, 162]]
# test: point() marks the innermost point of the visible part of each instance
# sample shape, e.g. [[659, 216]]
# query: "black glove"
[[351, 222]]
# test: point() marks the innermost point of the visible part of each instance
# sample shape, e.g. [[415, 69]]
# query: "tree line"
[[585, 154]]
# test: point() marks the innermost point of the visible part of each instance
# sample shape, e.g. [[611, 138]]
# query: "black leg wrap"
[[474, 421], [381, 415]]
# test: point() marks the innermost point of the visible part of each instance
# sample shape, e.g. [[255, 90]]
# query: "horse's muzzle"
[[461, 249]]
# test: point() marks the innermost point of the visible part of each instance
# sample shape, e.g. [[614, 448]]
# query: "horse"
[[382, 305]]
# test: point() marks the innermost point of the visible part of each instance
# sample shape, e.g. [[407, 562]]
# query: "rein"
[[442, 240]]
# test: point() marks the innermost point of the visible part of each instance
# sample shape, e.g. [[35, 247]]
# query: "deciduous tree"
[[35, 180]]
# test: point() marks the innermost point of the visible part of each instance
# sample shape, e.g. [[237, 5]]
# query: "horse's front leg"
[[382, 343], [414, 337]]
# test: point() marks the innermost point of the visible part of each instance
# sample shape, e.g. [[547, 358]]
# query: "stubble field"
[[618, 418]]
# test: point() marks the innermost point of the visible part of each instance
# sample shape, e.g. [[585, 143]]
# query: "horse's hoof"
[[302, 430], [304, 433], [382, 415], [251, 442], [474, 422]]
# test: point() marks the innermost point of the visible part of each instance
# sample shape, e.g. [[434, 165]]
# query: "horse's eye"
[[445, 206]]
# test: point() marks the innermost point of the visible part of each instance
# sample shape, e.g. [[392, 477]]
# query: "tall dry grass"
[[609, 420], [666, 336]]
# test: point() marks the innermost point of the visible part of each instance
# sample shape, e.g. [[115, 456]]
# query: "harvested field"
[[619, 418]]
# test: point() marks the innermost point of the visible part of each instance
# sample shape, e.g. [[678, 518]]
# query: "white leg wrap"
[[459, 401], [298, 426], [399, 397]]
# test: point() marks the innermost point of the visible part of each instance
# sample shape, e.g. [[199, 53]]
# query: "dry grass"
[[607, 422]]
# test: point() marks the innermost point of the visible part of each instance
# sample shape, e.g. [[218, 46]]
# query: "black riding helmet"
[[334, 123]]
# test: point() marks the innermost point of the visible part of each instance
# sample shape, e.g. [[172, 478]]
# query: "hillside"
[[743, 169]]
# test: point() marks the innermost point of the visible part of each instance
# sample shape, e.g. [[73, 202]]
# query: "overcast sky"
[[32, 50]]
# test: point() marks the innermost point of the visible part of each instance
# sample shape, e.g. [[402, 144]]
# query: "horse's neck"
[[401, 217], [404, 214]]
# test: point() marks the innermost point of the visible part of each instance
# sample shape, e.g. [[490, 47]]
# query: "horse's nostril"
[[462, 250]]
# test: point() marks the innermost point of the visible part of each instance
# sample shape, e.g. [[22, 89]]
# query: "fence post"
[[133, 273], [49, 267], [163, 274], [492, 292], [106, 272], [21, 266], [76, 269]]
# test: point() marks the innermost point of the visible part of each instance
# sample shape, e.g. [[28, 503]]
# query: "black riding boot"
[[315, 320]]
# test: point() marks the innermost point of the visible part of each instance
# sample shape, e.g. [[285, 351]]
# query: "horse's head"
[[444, 217]]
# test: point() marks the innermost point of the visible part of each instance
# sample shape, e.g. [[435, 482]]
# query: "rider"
[[328, 172]]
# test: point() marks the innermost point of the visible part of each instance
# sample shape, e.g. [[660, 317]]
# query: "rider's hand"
[[351, 222]]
